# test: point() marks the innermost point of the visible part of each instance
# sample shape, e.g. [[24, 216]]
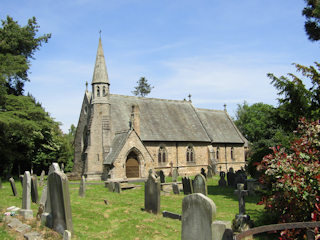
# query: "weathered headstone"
[[26, 211], [175, 175], [152, 194], [231, 178], [175, 188], [53, 167], [117, 187], [43, 173], [162, 177], [111, 186], [241, 221], [222, 182], [198, 211], [187, 186], [219, 230], [210, 172], [34, 189], [200, 184], [82, 187], [241, 194], [13, 186], [42, 202], [60, 213]]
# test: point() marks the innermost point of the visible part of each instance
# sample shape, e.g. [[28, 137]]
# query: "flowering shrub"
[[292, 178]]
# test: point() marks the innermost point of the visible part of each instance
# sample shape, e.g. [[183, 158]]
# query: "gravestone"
[[222, 181], [210, 172], [42, 202], [203, 172], [231, 178], [26, 211], [62, 167], [13, 186], [111, 186], [175, 188], [21, 180], [187, 186], [240, 177], [53, 167], [162, 177], [175, 175], [82, 187], [117, 187], [198, 211], [43, 173], [60, 217], [152, 194], [241, 221], [200, 185], [34, 189], [219, 230]]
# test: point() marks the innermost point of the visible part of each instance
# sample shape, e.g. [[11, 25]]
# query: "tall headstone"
[[60, 214], [222, 182], [198, 211], [53, 167], [26, 211], [200, 185], [34, 189], [187, 185], [175, 188], [242, 220], [82, 187], [241, 194], [231, 178], [175, 175], [162, 177], [13, 186], [43, 173], [152, 194]]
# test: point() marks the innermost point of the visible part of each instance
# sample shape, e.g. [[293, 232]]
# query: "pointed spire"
[[100, 74]]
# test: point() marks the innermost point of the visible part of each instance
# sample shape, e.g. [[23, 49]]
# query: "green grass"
[[122, 218]]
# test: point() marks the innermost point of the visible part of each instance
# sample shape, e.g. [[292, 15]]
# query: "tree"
[[312, 14], [17, 47], [143, 88], [292, 178], [296, 99], [258, 124]]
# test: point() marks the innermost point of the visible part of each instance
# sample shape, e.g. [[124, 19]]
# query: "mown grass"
[[123, 218]]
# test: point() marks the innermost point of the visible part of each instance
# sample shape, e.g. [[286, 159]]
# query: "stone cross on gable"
[[241, 194]]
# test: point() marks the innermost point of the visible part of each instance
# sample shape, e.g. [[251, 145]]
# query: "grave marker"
[[152, 194], [222, 181], [43, 173], [187, 185], [241, 194], [162, 177], [34, 189], [26, 211], [198, 211], [242, 221], [231, 178], [200, 185], [13, 186], [175, 188], [117, 187], [175, 175], [82, 187]]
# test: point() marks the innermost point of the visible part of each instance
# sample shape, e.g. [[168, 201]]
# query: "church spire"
[[100, 74]]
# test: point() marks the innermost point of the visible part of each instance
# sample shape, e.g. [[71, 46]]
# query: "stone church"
[[120, 137]]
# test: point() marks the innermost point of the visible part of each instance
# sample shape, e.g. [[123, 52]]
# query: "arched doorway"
[[132, 166]]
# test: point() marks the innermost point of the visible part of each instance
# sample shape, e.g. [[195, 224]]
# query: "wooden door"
[[132, 168]]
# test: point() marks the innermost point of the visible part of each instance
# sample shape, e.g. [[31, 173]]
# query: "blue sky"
[[218, 51]]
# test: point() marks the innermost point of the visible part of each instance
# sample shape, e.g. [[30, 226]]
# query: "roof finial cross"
[[189, 96], [100, 33]]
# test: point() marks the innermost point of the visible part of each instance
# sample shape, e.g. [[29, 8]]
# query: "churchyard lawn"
[[122, 217]]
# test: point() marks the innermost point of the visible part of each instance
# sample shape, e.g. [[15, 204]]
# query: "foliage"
[[312, 14], [67, 149], [292, 178], [17, 46], [258, 124], [297, 100], [143, 88]]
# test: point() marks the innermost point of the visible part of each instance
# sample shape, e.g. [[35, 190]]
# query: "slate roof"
[[172, 120], [117, 144]]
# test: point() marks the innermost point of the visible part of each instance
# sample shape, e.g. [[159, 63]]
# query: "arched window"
[[232, 153], [190, 154], [104, 92], [218, 150], [98, 92], [162, 154]]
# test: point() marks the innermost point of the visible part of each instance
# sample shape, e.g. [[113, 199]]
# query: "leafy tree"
[[143, 88], [17, 46], [67, 149], [258, 124], [312, 14], [296, 99], [292, 178]]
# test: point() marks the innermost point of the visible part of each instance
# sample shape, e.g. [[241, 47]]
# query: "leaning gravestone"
[[13, 186], [187, 186], [26, 211], [60, 214], [152, 194], [175, 188], [82, 187], [34, 189], [200, 185], [198, 211], [54, 167]]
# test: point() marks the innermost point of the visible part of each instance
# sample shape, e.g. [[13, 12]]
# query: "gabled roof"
[[100, 74], [171, 120], [117, 144]]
